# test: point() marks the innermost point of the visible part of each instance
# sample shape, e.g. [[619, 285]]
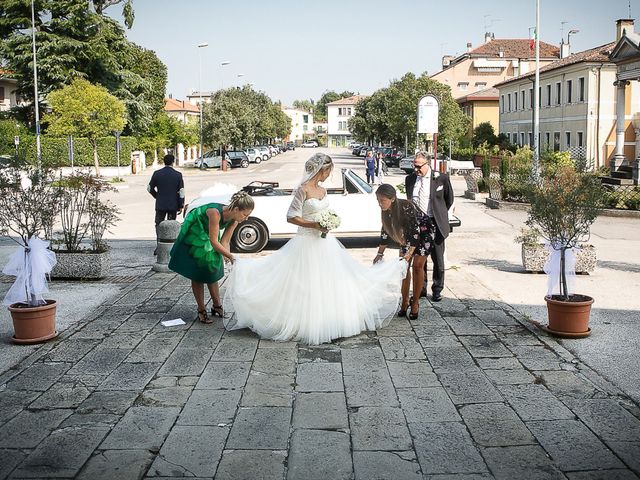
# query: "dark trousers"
[[369, 176], [165, 214], [437, 257]]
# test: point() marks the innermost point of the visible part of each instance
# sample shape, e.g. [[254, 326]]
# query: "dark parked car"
[[291, 145], [391, 155]]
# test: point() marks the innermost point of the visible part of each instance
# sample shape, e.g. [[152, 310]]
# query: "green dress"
[[192, 255]]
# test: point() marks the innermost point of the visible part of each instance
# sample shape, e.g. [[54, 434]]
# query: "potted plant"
[[84, 218], [564, 205], [535, 253], [28, 206]]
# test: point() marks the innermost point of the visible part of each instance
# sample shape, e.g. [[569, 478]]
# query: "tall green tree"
[[85, 110], [306, 105], [320, 110], [166, 132]]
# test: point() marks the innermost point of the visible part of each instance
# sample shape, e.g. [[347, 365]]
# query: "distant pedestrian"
[[370, 165], [381, 166], [167, 187], [201, 248]]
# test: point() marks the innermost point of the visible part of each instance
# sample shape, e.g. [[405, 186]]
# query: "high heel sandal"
[[413, 315], [217, 311], [403, 311], [203, 317]]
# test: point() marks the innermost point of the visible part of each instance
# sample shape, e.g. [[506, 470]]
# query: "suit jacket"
[[165, 186], [441, 198]]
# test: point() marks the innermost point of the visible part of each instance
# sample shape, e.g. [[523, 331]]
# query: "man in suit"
[[167, 187], [432, 194]]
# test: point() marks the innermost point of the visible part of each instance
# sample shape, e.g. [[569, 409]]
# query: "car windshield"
[[353, 177]]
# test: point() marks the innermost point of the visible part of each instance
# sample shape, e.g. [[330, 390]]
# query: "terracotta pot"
[[34, 324], [569, 318]]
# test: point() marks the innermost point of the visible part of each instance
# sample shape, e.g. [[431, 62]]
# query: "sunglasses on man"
[[418, 167]]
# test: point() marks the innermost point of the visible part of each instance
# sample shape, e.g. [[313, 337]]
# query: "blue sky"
[[294, 49]]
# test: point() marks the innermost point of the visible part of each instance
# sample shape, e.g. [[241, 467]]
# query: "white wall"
[[298, 125], [338, 117]]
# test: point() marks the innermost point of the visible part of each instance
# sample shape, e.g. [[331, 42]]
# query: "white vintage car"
[[355, 202]]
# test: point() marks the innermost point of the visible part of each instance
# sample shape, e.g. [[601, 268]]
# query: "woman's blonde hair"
[[242, 201]]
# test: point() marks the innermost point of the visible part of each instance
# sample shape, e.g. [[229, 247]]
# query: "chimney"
[[623, 25], [446, 61], [469, 46], [488, 36], [565, 49]]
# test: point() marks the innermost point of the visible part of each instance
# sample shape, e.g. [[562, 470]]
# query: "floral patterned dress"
[[192, 255], [410, 229]]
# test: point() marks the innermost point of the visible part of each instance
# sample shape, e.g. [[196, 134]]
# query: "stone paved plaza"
[[470, 390]]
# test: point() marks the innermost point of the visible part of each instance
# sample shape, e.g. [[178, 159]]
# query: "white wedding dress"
[[311, 290]]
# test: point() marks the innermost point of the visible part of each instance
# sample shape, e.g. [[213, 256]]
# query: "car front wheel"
[[250, 236], [244, 164]]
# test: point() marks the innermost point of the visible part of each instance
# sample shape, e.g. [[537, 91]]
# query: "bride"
[[311, 290]]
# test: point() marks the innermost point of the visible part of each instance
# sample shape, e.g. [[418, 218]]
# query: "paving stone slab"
[[130, 376], [164, 397], [91, 420], [126, 340], [192, 451], [140, 323], [62, 453], [523, 337], [154, 348], [10, 459], [412, 375], [276, 361], [367, 358], [572, 446], [141, 427], [607, 419], [62, 395], [185, 361], [397, 328], [461, 476], [98, 329], [100, 361], [28, 428], [445, 448], [268, 390], [155, 305], [401, 348], [319, 377], [116, 464], [494, 317], [499, 363], [218, 375], [528, 462], [386, 466], [38, 377], [323, 411], [251, 465], [467, 326], [135, 297], [265, 343], [319, 455], [196, 339], [568, 384], [442, 339], [372, 389], [319, 353], [88, 380], [602, 475], [70, 350], [379, 428], [470, 386], [427, 405], [495, 425], [210, 407], [485, 346], [235, 348], [535, 402], [628, 452], [537, 357], [514, 376], [445, 359], [260, 428], [112, 402]]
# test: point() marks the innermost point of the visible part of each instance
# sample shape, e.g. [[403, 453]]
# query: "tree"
[[320, 110], [166, 132], [85, 110], [306, 105], [127, 9], [484, 133]]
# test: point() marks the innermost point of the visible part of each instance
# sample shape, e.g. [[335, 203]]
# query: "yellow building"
[[481, 107]]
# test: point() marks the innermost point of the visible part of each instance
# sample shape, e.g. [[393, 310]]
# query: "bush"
[[55, 153], [486, 168], [504, 168], [463, 153]]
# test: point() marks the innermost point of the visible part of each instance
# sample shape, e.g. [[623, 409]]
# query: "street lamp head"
[[571, 32], [226, 62], [240, 75], [202, 45]]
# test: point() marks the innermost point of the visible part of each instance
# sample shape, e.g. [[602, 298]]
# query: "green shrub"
[[486, 167], [504, 168]]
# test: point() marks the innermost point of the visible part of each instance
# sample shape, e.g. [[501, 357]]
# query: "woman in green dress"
[[201, 249]]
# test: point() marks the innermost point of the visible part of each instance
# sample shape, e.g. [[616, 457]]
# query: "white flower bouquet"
[[329, 220]]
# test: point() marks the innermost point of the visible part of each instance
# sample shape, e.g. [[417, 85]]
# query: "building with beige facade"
[[301, 124], [8, 87], [183, 110], [481, 107], [338, 115], [493, 62]]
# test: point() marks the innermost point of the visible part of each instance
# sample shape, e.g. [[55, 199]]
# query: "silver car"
[[406, 164], [255, 156]]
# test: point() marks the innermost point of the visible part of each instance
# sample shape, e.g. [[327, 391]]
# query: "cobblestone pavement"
[[470, 390]]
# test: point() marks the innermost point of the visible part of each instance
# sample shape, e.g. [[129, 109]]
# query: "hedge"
[[55, 153]]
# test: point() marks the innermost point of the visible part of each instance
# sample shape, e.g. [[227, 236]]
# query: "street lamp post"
[[200, 47], [536, 101], [240, 75], [35, 86], [223, 64]]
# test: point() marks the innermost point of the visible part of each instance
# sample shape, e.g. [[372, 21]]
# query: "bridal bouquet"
[[329, 220]]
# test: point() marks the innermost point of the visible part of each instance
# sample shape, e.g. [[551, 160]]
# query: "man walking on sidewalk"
[[432, 193], [167, 187]]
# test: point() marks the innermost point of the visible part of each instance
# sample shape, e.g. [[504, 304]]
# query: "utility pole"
[[35, 86], [536, 102]]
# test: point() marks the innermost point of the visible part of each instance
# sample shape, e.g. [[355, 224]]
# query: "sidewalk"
[[469, 390]]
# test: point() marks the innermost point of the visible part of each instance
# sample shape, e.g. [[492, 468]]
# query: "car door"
[[357, 207]]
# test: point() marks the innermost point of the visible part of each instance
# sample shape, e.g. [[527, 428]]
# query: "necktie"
[[423, 197]]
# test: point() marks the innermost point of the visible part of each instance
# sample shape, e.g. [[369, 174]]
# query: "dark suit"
[[167, 187], [441, 200]]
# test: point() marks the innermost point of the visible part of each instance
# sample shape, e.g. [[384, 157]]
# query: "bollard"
[[167, 233]]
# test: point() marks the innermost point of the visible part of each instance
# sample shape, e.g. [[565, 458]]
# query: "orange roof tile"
[[348, 101], [514, 48], [173, 105]]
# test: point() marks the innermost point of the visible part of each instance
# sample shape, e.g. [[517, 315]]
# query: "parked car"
[[274, 151], [391, 155], [236, 158], [291, 145], [266, 153], [310, 144], [353, 145], [355, 202], [363, 151], [255, 156], [356, 149], [406, 164]]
